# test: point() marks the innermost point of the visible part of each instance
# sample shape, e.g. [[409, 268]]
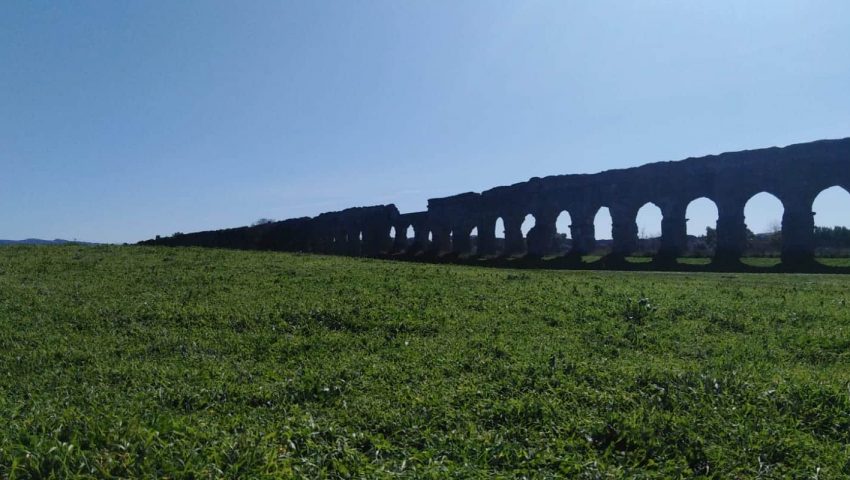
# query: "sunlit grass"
[[192, 363], [639, 259], [761, 261], [694, 260], [835, 262]]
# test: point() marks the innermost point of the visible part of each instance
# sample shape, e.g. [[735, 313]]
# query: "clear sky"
[[123, 120]]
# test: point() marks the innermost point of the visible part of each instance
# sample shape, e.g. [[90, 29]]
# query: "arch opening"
[[563, 237], [392, 240], [763, 218], [602, 225], [701, 216], [473, 241], [831, 234], [648, 221], [500, 235], [527, 224]]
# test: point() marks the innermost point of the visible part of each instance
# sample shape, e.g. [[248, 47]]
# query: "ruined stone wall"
[[795, 175], [354, 231]]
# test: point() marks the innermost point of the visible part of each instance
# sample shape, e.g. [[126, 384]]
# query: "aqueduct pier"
[[795, 175]]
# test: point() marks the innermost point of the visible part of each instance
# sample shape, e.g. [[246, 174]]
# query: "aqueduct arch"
[[795, 175]]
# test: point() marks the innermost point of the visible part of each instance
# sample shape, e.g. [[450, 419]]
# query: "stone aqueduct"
[[795, 175]]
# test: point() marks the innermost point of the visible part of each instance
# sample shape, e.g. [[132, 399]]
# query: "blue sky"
[[123, 120]]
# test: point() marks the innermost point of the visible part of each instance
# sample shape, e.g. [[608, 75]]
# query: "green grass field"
[[193, 363]]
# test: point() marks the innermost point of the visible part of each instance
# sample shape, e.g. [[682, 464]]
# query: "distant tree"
[[775, 234], [262, 221], [710, 237], [774, 227], [835, 237]]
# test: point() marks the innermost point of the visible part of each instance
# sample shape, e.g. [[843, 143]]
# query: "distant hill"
[[39, 241]]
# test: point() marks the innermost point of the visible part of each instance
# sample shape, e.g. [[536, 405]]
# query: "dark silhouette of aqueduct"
[[794, 174]]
